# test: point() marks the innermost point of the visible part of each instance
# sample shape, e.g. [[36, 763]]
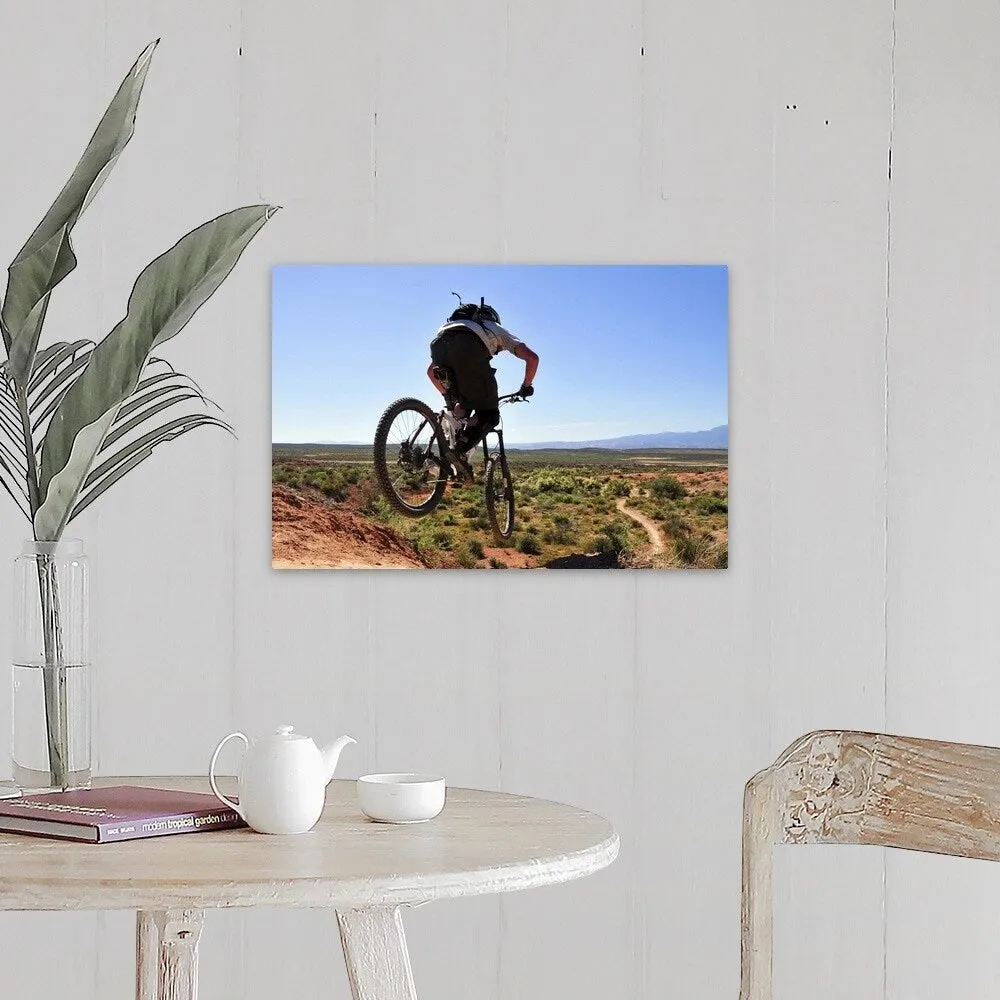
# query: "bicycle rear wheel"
[[409, 463], [499, 498]]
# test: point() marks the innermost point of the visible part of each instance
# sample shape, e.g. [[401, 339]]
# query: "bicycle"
[[411, 442]]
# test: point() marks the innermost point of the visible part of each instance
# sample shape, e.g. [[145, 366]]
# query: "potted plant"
[[76, 416]]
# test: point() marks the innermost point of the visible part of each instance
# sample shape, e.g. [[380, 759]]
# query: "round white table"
[[482, 842]]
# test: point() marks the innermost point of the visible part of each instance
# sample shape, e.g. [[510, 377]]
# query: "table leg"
[[147, 953], [167, 954], [378, 965]]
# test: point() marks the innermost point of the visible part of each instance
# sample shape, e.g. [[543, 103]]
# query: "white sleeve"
[[508, 341]]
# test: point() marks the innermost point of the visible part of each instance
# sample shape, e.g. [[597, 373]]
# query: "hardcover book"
[[120, 812]]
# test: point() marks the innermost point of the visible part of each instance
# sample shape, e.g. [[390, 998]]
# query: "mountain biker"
[[465, 344]]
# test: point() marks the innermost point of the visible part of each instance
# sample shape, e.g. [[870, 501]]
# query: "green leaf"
[[165, 296], [47, 361], [11, 426], [10, 417], [48, 255], [150, 389], [122, 427], [52, 393], [108, 473], [14, 488]]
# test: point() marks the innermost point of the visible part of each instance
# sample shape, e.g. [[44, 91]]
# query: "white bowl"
[[401, 798]]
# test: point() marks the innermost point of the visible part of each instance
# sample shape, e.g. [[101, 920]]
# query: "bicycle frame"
[[512, 397]]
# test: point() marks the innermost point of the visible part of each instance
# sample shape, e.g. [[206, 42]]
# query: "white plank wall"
[[944, 535], [864, 360]]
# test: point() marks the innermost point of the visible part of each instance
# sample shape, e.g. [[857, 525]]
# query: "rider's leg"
[[475, 385], [477, 427]]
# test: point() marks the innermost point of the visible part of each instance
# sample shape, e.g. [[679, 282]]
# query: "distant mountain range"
[[716, 437]]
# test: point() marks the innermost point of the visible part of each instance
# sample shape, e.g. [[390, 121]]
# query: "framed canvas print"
[[500, 417]]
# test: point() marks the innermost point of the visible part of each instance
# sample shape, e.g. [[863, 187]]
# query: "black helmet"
[[488, 312], [465, 311]]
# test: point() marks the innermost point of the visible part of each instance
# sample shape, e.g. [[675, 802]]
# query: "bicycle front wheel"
[[409, 457], [500, 498]]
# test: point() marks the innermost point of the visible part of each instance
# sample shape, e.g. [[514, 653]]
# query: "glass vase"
[[50, 725]]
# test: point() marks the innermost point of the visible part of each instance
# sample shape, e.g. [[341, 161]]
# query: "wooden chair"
[[835, 787]]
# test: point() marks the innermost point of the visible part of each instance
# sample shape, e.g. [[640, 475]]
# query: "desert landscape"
[[577, 508]]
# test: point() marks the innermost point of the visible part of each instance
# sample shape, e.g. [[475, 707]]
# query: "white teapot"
[[282, 781]]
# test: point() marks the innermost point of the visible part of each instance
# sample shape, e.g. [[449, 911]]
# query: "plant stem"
[[54, 674], [54, 671]]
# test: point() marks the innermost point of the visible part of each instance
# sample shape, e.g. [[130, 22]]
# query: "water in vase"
[[29, 742]]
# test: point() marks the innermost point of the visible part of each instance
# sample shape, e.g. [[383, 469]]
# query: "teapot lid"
[[286, 733]]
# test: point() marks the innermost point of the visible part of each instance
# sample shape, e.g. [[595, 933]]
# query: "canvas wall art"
[[500, 417]]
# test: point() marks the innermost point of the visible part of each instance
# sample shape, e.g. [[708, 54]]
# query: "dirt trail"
[[655, 535], [305, 534]]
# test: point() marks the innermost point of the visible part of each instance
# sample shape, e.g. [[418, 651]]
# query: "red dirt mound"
[[306, 534]]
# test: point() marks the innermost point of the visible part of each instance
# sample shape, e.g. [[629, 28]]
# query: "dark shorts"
[[466, 355]]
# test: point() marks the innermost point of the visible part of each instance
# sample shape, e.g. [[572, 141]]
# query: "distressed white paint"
[[864, 428], [147, 955], [178, 933], [851, 788], [378, 964], [481, 842]]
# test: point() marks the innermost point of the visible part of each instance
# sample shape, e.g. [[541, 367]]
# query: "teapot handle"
[[211, 775]]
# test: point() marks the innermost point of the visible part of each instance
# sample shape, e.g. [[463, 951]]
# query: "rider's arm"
[[530, 359], [438, 384]]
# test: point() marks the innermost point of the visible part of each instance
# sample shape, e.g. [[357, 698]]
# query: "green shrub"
[[333, 486], [496, 564], [604, 546], [441, 538], [371, 501], [379, 510], [676, 525], [709, 503], [561, 532], [667, 488], [465, 558], [687, 549], [476, 548], [554, 484], [613, 539], [528, 544]]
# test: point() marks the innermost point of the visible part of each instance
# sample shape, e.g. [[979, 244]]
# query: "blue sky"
[[624, 349]]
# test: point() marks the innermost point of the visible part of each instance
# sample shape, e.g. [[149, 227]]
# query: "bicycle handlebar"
[[513, 397]]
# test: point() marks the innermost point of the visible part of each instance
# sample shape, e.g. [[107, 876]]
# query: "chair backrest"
[[834, 787]]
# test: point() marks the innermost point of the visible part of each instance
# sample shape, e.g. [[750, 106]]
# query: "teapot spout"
[[331, 754]]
